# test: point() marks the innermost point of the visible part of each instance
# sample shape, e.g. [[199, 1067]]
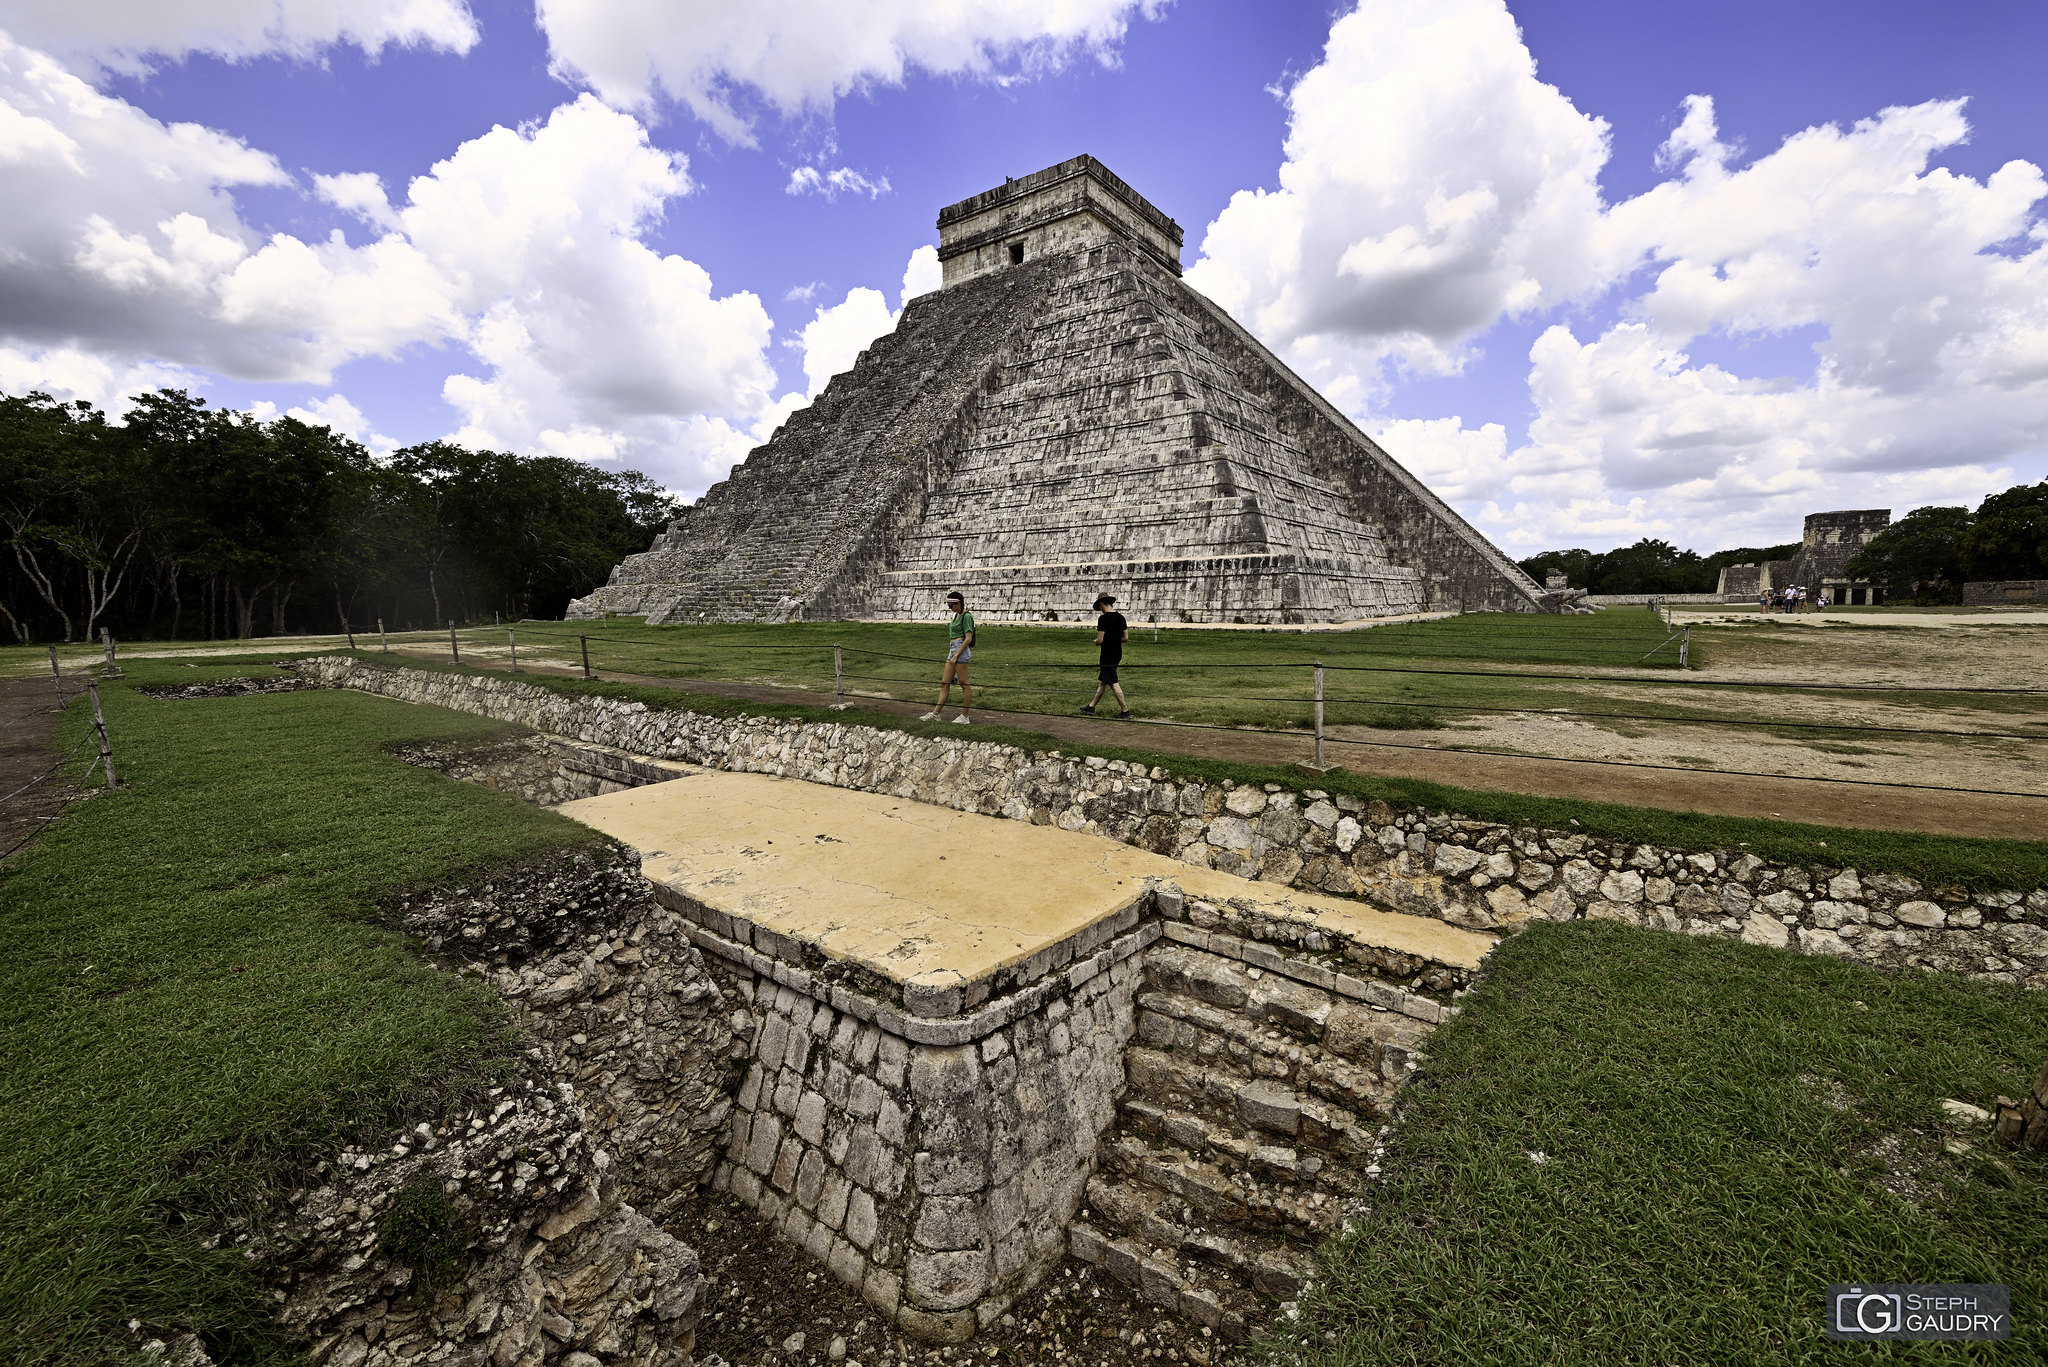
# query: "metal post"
[[99, 721], [113, 669], [56, 674], [454, 646], [1319, 714], [512, 635], [350, 632], [838, 674], [382, 639], [1684, 642], [586, 655]]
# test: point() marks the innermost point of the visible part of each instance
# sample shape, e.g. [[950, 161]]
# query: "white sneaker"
[[960, 720], [931, 716]]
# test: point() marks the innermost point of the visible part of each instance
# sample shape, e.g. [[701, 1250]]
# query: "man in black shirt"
[[1111, 631]]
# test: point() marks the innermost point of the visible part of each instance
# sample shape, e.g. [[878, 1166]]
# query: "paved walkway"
[[906, 889]]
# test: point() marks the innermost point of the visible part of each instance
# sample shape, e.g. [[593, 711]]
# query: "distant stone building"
[[1066, 417], [1985, 593], [1828, 543]]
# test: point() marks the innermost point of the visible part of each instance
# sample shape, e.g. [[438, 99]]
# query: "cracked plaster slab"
[[907, 889]]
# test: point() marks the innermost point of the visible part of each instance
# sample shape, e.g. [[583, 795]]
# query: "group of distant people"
[[1111, 631], [1793, 598]]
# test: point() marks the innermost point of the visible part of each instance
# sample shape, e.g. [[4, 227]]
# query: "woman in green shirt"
[[959, 649]]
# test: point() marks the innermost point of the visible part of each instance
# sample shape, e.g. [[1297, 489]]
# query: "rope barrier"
[[1549, 759], [90, 737]]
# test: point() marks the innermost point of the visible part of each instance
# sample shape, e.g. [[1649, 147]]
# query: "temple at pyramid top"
[[1064, 208], [1064, 417]]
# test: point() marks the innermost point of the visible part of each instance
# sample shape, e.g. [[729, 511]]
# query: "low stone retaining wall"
[[1643, 600], [1987, 593], [1477, 874]]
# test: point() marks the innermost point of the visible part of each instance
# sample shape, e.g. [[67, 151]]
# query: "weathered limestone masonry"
[[934, 1155], [1827, 544], [1066, 416], [1481, 875], [1261, 1070], [551, 1185], [931, 1157]]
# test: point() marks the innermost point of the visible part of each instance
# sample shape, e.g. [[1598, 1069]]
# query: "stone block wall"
[[1987, 593], [931, 1157], [1477, 874]]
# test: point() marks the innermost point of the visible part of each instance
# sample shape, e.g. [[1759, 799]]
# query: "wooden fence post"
[[99, 721], [454, 646], [1319, 714], [113, 669]]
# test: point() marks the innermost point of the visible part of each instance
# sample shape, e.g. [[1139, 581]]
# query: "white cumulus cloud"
[[1432, 185], [922, 274], [844, 180], [125, 34], [800, 56], [124, 248]]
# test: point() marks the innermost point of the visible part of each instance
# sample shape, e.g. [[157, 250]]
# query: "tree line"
[[1649, 566], [186, 521], [1926, 556], [1930, 553]]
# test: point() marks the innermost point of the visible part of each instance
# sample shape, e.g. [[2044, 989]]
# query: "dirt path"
[[1396, 754], [28, 730]]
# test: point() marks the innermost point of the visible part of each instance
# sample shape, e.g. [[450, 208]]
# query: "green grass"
[[1977, 865], [195, 997], [1718, 1124], [1213, 677]]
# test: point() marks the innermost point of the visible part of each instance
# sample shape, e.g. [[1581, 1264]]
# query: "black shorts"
[[1107, 673]]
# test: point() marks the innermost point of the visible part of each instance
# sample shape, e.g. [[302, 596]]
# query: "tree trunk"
[[33, 568], [277, 606]]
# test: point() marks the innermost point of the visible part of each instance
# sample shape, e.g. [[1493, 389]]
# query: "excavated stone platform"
[[928, 899], [959, 1029]]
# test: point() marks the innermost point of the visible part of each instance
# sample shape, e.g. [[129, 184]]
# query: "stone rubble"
[[549, 1184], [2024, 1123]]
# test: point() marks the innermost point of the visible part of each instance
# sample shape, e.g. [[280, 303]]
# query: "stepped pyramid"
[[1065, 417]]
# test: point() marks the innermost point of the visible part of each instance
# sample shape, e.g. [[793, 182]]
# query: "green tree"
[[1919, 556], [74, 506], [2009, 539], [1576, 566]]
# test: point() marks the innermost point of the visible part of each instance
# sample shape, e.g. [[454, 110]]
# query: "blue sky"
[[1595, 270]]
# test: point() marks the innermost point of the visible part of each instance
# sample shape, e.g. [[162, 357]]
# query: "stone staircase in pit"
[[1251, 1115]]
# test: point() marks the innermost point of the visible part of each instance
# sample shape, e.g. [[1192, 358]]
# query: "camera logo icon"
[[1871, 1311], [1874, 1313]]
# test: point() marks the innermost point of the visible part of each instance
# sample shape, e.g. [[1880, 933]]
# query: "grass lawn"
[[1725, 1130], [1226, 678], [192, 993]]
